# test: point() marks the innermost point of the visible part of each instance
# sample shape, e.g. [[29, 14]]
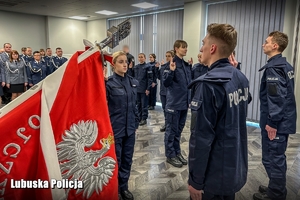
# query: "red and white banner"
[[56, 139]]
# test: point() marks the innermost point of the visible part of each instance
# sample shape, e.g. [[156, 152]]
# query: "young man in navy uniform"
[[277, 115], [218, 153], [143, 73], [58, 60], [177, 76], [37, 69]]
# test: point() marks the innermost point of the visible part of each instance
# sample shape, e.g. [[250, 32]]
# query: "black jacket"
[[121, 95], [277, 99], [218, 152], [176, 82]]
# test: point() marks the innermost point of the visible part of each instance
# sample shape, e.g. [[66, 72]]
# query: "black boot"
[[163, 128], [260, 196], [182, 159], [143, 122], [262, 189], [127, 195], [175, 162]]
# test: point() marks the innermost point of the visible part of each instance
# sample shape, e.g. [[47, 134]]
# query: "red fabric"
[[29, 163], [82, 96]]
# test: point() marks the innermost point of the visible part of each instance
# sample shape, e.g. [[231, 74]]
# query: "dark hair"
[[35, 52], [6, 44], [23, 49], [11, 53], [48, 48], [279, 38], [42, 50], [58, 48], [142, 54], [180, 43], [226, 35], [153, 55]]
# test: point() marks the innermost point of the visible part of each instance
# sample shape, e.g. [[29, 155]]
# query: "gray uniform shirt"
[[15, 72]]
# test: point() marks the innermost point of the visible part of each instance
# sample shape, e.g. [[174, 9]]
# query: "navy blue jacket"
[[121, 93], [143, 73], [198, 70], [277, 99], [154, 71], [36, 71], [176, 82], [56, 62], [160, 76], [218, 153]]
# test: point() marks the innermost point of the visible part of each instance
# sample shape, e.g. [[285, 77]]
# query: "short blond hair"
[[226, 34], [116, 55]]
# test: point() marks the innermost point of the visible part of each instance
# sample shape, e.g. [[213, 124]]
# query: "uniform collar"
[[38, 62], [220, 71], [121, 78], [276, 61]]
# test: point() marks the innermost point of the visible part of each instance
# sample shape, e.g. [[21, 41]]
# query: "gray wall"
[[254, 20]]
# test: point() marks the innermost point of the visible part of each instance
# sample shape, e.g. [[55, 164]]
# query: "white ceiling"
[[69, 8]]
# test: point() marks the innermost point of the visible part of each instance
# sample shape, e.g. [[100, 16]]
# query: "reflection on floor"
[[153, 178]]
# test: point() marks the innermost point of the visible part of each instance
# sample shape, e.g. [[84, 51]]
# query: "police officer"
[[4, 56], [153, 90], [218, 161], [48, 60], [163, 90], [277, 115], [199, 69], [16, 76], [37, 69], [121, 97], [58, 60], [177, 76], [130, 58], [143, 73]]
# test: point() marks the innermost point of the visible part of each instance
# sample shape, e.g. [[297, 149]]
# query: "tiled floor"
[[152, 178]]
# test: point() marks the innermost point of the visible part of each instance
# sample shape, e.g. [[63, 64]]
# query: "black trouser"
[[274, 161], [175, 122], [142, 103], [152, 96], [7, 95], [124, 152]]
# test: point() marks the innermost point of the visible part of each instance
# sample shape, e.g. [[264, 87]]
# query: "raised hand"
[[130, 65], [232, 60], [172, 65], [157, 64], [190, 61], [162, 62]]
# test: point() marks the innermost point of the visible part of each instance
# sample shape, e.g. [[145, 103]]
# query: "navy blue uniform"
[[56, 62], [37, 71], [218, 155], [163, 89], [143, 73], [278, 110], [178, 98], [198, 70], [153, 90], [121, 97]]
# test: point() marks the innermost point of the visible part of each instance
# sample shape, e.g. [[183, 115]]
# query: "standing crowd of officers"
[[19, 72], [217, 93]]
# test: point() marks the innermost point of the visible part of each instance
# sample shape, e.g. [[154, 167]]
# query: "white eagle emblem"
[[76, 163]]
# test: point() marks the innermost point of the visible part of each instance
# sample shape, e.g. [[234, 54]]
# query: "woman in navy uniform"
[[177, 76], [37, 69], [163, 90], [143, 73], [121, 90], [152, 96], [16, 76]]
